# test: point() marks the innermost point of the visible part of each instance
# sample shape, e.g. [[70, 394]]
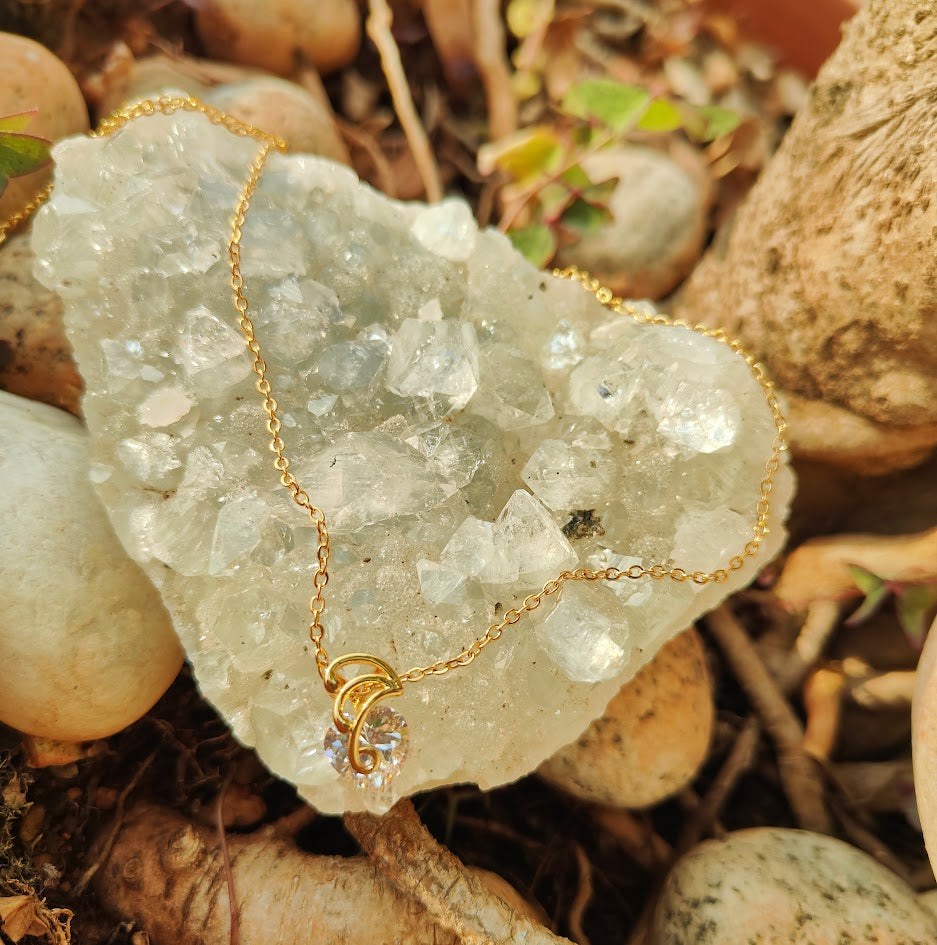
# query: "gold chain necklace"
[[354, 696]]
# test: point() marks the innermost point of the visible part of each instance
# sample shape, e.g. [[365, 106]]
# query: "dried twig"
[[235, 934], [582, 899], [359, 138], [492, 63], [739, 760], [378, 26], [636, 837], [641, 933], [891, 690], [290, 824], [823, 702], [416, 864], [800, 776], [119, 808], [822, 617]]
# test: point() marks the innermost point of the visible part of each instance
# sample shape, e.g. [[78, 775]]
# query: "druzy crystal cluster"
[[470, 425]]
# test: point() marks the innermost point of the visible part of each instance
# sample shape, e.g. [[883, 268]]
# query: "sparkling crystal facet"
[[385, 730]]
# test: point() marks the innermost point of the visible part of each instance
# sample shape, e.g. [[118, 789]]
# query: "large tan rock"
[[786, 887], [31, 77], [829, 273], [86, 646], [35, 357], [651, 739]]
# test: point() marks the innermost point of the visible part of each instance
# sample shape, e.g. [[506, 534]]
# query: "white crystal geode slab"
[[471, 426]]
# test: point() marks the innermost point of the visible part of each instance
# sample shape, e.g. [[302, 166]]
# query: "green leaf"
[[17, 121], [576, 178], [616, 105], [584, 216], [915, 606], [874, 589], [22, 154], [718, 121], [524, 155], [661, 115], [601, 192], [535, 242], [553, 199]]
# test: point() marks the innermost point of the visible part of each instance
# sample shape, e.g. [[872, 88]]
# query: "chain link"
[[167, 105], [7, 226]]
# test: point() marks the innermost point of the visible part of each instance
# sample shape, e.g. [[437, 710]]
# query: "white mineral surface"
[[471, 426]]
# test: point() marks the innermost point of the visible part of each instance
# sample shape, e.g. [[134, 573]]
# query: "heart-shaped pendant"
[[471, 427]]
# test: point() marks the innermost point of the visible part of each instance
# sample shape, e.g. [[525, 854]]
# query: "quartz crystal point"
[[470, 425]]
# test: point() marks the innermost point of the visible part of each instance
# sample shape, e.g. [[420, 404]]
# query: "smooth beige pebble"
[[772, 886], [285, 109], [659, 220], [86, 646], [32, 77], [279, 35], [924, 742], [652, 738]]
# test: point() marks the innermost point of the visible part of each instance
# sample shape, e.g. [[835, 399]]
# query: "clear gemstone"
[[563, 348], [565, 476], [607, 389], [385, 730], [348, 365], [585, 633], [435, 359], [447, 229], [511, 393], [699, 418], [363, 478], [526, 535]]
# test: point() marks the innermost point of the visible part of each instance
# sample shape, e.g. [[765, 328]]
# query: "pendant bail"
[[362, 693]]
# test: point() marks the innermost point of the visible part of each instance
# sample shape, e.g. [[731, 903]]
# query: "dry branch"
[[819, 569], [739, 760], [800, 776], [453, 896], [378, 26], [167, 875], [492, 63]]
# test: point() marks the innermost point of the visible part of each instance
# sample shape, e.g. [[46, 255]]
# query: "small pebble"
[[686, 81], [659, 220], [771, 886], [281, 35], [720, 71], [286, 109], [791, 89], [652, 738]]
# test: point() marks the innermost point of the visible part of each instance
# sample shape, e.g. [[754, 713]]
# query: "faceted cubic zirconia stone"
[[385, 730]]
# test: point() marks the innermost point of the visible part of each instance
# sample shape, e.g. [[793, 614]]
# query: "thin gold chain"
[[22, 215], [268, 143]]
